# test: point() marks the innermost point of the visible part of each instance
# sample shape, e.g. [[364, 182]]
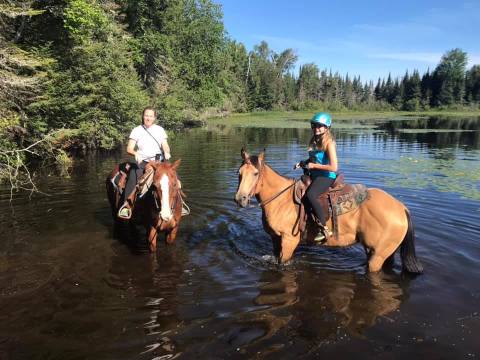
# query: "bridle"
[[158, 201], [253, 191]]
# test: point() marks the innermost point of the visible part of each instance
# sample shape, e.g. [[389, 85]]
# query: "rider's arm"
[[131, 147], [332, 157], [131, 150], [166, 149]]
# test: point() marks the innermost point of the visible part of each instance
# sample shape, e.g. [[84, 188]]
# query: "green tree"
[[449, 78], [308, 82], [472, 86], [412, 92], [93, 88], [426, 90]]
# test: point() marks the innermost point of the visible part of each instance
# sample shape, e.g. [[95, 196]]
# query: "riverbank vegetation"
[[75, 74], [346, 118]]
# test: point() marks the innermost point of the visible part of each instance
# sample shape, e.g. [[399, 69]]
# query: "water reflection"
[[69, 288], [312, 308], [150, 283], [438, 132]]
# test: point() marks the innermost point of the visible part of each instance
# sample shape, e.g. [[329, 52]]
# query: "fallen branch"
[[14, 169]]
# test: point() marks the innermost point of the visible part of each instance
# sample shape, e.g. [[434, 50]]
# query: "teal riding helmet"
[[322, 118]]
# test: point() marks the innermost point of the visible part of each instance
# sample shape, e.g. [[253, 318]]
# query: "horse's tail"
[[407, 250]]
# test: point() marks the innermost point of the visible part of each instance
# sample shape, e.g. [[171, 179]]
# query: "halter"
[[158, 207]]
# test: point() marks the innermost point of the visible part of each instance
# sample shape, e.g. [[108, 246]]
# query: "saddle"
[[144, 183], [340, 198], [119, 180]]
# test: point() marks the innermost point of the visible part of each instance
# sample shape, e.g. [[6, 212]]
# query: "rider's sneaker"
[[185, 209], [322, 234], [125, 212], [320, 237]]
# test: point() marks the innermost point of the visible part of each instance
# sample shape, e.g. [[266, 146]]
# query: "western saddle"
[[340, 198]]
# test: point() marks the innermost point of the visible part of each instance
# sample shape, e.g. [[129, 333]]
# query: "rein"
[[157, 205], [266, 202]]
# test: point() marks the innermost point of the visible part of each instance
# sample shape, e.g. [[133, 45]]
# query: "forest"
[[75, 75]]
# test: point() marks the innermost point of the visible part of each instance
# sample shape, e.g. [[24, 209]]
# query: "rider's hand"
[[138, 158], [296, 166], [167, 156]]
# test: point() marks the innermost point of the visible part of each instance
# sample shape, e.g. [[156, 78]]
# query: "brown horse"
[[160, 209], [381, 223]]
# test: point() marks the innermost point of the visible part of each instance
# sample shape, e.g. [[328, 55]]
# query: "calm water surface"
[[70, 290]]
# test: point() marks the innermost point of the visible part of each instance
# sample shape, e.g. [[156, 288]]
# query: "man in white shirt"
[[146, 141]]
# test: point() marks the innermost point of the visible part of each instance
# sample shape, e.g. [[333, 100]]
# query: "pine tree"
[[412, 94], [472, 85], [449, 78]]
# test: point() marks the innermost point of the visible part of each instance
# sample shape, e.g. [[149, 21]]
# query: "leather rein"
[[268, 201]]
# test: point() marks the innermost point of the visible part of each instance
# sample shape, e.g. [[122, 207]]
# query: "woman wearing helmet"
[[322, 164]]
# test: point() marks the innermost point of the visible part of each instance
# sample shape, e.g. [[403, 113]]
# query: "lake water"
[[70, 290]]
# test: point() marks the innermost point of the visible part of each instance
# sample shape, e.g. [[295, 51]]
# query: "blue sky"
[[366, 38]]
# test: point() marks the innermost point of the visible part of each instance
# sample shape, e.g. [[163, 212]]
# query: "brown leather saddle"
[[340, 198], [119, 180]]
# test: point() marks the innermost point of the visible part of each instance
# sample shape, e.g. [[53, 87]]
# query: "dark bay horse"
[[381, 223], [160, 208]]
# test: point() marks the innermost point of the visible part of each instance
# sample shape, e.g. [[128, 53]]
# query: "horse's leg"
[[382, 225], [289, 244], [390, 260], [277, 245], [172, 235], [152, 238], [385, 251]]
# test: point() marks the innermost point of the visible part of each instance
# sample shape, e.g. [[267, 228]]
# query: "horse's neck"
[[272, 184]]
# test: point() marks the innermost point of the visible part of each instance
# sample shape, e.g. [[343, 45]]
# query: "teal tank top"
[[319, 157]]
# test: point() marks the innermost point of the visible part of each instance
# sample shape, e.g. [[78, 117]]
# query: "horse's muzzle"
[[242, 200], [166, 216]]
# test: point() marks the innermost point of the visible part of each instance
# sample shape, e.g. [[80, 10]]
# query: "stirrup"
[[125, 212], [320, 237], [185, 209], [323, 234]]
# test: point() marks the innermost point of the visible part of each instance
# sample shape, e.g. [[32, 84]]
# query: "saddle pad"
[[350, 200], [145, 181]]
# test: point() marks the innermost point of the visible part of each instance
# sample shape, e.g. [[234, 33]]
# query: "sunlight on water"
[[219, 290]]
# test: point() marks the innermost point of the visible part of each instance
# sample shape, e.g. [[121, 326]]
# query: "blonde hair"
[[321, 142]]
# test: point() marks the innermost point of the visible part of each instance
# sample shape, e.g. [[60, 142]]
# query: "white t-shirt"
[[147, 146]]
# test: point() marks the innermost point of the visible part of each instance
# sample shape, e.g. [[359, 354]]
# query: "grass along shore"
[[299, 119]]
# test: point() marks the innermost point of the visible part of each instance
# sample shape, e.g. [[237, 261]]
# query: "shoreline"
[[294, 119]]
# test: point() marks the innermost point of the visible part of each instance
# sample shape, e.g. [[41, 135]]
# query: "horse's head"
[[165, 187], [248, 177]]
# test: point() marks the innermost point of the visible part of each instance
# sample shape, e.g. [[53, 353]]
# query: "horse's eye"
[[256, 174]]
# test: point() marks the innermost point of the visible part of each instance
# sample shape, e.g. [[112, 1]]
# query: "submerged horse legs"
[[152, 238], [172, 235], [384, 252], [289, 244], [277, 245]]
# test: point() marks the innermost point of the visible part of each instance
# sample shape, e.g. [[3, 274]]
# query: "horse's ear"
[[176, 164], [245, 156], [261, 156]]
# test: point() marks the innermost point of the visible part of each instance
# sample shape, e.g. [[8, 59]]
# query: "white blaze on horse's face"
[[165, 211]]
